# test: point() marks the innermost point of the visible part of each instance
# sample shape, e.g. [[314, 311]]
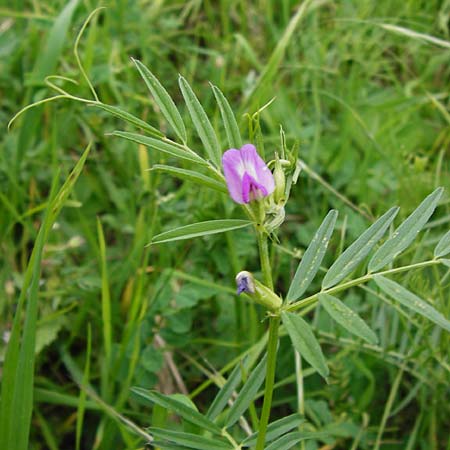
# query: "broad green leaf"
[[443, 246], [228, 119], [411, 301], [289, 440], [191, 175], [276, 429], [124, 115], [171, 148], [225, 393], [446, 262], [190, 440], [18, 369], [357, 251], [200, 229], [201, 122], [305, 342], [311, 260], [405, 233], [347, 318], [180, 408], [247, 393], [163, 100]]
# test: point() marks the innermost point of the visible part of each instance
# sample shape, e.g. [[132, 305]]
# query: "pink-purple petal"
[[231, 161]]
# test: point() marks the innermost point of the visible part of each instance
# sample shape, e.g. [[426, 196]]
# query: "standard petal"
[[257, 168], [234, 171]]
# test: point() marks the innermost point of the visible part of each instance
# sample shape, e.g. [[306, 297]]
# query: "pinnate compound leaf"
[[357, 251], [201, 122], [171, 148], [190, 440], [310, 263], [124, 115], [200, 229], [411, 301], [347, 318], [276, 429], [247, 393], [193, 176], [180, 408], [225, 393], [443, 246], [305, 342], [163, 100], [289, 440], [405, 233], [228, 119]]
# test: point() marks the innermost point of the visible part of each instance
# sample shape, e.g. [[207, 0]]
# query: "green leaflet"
[[247, 393], [310, 263], [411, 301], [190, 440], [163, 100], [228, 118], [171, 148], [225, 393], [443, 246], [200, 229], [305, 342], [288, 441], [201, 122], [187, 413], [347, 318], [405, 233], [191, 175], [357, 251], [124, 115], [276, 429]]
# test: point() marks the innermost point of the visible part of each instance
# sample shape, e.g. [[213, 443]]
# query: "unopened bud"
[[279, 193], [257, 291]]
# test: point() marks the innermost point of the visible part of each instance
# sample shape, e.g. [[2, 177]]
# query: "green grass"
[[368, 105]]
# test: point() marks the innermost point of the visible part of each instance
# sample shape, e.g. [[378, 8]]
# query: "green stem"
[[270, 379], [364, 279], [264, 258]]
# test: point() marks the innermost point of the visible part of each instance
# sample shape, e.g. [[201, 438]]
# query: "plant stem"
[[270, 379], [264, 258]]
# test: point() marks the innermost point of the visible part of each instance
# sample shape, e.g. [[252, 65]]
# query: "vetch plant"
[[241, 173]]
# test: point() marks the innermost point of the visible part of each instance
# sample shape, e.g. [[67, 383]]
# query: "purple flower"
[[247, 175]]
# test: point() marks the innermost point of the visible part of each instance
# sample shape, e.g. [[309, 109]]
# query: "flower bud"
[[279, 193], [257, 291]]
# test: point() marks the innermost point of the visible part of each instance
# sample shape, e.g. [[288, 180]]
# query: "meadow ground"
[[359, 88]]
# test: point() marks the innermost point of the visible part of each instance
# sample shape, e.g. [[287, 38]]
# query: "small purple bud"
[[245, 283], [247, 175]]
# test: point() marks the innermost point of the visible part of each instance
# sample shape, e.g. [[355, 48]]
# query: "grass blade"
[[228, 119], [305, 342], [186, 412], [310, 263], [191, 175], [190, 440], [443, 246], [124, 115], [201, 122], [168, 147], [200, 229], [347, 318], [357, 251], [411, 301], [222, 397], [18, 369], [405, 233], [163, 100], [247, 393], [276, 429]]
